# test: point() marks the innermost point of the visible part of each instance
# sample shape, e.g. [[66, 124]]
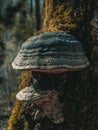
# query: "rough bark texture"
[[78, 89], [94, 33]]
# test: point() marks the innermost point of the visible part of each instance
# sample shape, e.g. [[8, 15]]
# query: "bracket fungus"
[[46, 102], [31, 94], [52, 52]]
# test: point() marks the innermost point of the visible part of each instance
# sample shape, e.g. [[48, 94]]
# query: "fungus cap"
[[29, 93], [51, 52], [46, 102]]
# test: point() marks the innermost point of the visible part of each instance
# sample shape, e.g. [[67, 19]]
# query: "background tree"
[[38, 15]]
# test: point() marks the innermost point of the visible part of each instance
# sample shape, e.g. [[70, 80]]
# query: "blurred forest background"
[[19, 20]]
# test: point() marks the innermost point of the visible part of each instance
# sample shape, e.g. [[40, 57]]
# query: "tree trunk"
[[80, 90], [31, 8]]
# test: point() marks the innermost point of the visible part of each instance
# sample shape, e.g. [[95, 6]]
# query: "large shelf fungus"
[[53, 52]]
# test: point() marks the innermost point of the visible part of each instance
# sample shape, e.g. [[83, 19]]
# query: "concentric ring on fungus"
[[51, 52]]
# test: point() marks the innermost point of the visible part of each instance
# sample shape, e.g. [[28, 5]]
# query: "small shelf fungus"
[[47, 103], [53, 52], [31, 94]]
